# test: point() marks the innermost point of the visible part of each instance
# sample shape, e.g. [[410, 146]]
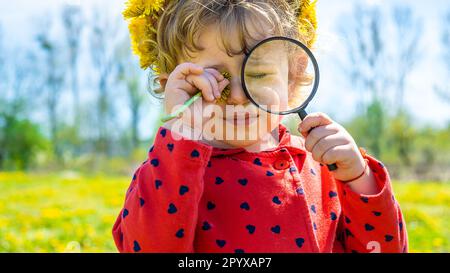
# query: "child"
[[220, 194]]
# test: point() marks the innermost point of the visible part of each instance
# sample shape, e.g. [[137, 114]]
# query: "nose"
[[237, 95]]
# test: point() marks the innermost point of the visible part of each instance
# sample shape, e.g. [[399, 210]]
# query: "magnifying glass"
[[280, 75]]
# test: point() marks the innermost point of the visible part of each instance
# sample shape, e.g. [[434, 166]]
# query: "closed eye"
[[257, 75]]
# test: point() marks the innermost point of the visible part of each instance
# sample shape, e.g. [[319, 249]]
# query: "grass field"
[[68, 213]]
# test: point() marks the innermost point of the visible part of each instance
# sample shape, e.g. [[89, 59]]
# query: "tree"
[[53, 73], [443, 90], [375, 66], [409, 31], [366, 69], [366, 63], [129, 74], [20, 138], [102, 42], [2, 64], [73, 24]]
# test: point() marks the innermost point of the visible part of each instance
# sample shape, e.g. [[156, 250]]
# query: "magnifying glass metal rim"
[[316, 72]]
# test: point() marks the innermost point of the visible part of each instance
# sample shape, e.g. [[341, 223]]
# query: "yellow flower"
[[143, 18], [140, 34], [51, 213], [307, 21], [138, 8]]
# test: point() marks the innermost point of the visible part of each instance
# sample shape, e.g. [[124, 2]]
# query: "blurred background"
[[76, 119]]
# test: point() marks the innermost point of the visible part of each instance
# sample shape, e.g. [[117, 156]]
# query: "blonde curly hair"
[[162, 31]]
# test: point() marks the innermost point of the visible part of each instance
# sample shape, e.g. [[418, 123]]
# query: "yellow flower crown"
[[143, 16]]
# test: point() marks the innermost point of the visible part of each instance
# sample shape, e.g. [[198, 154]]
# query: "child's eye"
[[257, 75]]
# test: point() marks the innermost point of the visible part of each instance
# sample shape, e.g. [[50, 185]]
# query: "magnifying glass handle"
[[303, 114]]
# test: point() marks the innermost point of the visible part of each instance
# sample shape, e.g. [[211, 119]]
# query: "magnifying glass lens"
[[279, 76]]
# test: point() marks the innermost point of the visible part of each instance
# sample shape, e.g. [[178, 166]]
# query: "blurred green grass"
[[71, 213]]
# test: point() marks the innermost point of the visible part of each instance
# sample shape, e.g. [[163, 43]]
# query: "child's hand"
[[186, 80], [330, 143]]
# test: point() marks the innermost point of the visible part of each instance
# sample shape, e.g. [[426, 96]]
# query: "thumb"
[[312, 121]]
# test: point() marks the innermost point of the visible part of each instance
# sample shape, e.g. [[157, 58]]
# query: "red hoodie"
[[191, 197]]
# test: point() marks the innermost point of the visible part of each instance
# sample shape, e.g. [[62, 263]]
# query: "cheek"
[[263, 115], [268, 122]]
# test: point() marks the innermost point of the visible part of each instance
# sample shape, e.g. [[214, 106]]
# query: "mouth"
[[243, 118]]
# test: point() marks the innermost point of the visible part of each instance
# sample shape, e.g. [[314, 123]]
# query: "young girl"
[[209, 192]]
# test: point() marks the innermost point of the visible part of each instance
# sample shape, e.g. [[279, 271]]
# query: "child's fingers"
[[318, 133], [313, 120], [187, 87], [202, 83], [185, 69], [223, 84], [219, 77], [335, 154], [325, 144], [214, 84]]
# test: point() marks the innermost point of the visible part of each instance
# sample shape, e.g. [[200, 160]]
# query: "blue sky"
[[17, 19]]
